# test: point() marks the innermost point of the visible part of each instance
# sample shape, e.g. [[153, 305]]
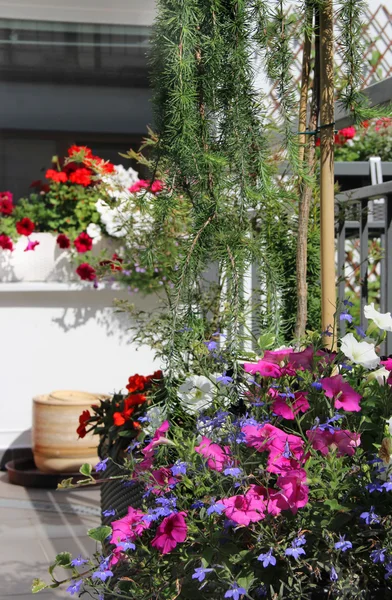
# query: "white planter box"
[[47, 263]]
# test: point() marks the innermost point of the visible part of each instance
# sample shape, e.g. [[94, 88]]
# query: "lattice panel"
[[377, 35]]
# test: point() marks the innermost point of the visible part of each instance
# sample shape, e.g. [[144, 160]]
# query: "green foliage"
[[99, 534], [373, 140]]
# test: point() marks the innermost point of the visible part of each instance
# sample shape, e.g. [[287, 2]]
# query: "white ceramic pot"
[[47, 262], [57, 447]]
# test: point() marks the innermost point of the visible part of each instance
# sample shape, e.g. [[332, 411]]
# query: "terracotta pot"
[[56, 446]]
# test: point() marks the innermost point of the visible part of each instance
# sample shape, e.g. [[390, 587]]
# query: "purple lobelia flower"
[[370, 516], [343, 544], [235, 591], [267, 559], [200, 573], [378, 555], [78, 561], [74, 587]]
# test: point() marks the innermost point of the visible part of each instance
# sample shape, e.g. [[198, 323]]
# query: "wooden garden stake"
[[328, 275]]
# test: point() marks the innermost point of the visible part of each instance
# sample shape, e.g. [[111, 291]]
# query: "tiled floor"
[[35, 525]]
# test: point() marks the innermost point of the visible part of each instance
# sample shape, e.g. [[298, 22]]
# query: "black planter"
[[119, 495]]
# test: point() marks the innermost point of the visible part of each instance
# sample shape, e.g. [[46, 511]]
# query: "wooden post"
[[327, 117]]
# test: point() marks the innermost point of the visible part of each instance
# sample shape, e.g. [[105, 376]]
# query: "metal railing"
[[357, 216]]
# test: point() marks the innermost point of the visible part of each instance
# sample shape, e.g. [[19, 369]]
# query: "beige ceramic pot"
[[56, 445]]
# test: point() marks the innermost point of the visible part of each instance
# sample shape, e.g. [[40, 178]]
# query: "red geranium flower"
[[119, 418], [116, 259], [136, 383], [25, 226], [58, 176], [81, 177], [77, 149], [139, 185], [6, 242], [6, 206], [83, 242], [156, 186], [86, 272], [63, 241], [83, 420], [99, 163]]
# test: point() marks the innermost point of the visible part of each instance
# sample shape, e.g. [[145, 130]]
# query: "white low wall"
[[61, 336]]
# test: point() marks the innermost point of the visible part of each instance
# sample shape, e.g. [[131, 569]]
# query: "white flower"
[[196, 393], [94, 231], [360, 353], [389, 421], [382, 320], [156, 415], [381, 375]]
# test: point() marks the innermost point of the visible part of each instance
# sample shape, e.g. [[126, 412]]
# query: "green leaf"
[[99, 534], [38, 586], [246, 581], [63, 559], [66, 483], [86, 469], [334, 505], [266, 340]]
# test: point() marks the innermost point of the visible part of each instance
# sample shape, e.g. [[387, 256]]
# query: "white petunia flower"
[[381, 375], [361, 353], [196, 394], [382, 320], [156, 415], [94, 231]]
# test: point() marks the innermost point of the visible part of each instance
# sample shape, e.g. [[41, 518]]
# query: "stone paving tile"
[[30, 536]]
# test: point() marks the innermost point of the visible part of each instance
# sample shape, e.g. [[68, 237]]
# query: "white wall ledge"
[[57, 286]]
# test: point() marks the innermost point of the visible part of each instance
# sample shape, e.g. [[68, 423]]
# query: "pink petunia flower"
[[129, 527], [302, 360], [277, 356], [263, 368], [170, 532], [344, 395], [387, 364], [294, 491], [158, 438], [289, 408], [346, 442], [244, 509], [320, 439], [285, 450], [161, 479], [216, 455], [269, 496]]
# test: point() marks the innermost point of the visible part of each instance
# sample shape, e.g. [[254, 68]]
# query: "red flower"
[[383, 123], [136, 383], [81, 177], [365, 124], [63, 241], [31, 245], [134, 400], [86, 272], [83, 242], [119, 418], [348, 132], [139, 185], [83, 420], [99, 164], [36, 183], [58, 176], [6, 242], [6, 206], [116, 259], [25, 226], [156, 186], [78, 149]]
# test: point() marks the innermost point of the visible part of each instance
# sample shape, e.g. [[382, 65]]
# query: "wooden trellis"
[[377, 36]]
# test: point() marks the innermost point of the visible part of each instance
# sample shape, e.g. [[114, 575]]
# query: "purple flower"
[[215, 507], [179, 468], [375, 486], [333, 575], [299, 541], [78, 561], [224, 379], [127, 546], [370, 517], [287, 452], [348, 303], [109, 512], [295, 552], [267, 558], [197, 504], [233, 471], [74, 587], [102, 465], [360, 331], [343, 544], [211, 345], [235, 592], [317, 386], [378, 555], [345, 316], [200, 573], [387, 486], [388, 569], [102, 575]]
